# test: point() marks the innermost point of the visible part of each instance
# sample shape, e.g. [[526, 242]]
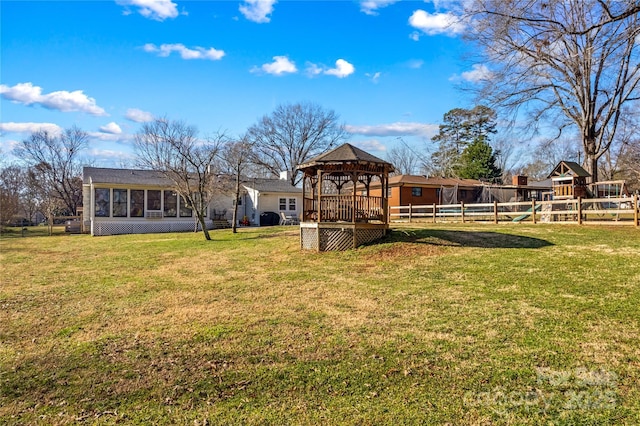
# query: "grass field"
[[444, 324]]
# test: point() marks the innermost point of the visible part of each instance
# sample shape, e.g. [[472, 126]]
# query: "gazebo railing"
[[341, 208]]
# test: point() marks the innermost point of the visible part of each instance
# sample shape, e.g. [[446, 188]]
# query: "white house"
[[264, 198], [125, 201]]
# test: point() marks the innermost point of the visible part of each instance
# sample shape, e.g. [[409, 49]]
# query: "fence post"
[[533, 210], [579, 210], [434, 212], [495, 212], [462, 210], [410, 212], [636, 210]]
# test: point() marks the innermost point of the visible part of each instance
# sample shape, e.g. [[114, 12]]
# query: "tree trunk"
[[592, 167], [205, 231], [234, 223]]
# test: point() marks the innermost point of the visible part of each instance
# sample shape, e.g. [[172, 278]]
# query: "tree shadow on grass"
[[465, 239]]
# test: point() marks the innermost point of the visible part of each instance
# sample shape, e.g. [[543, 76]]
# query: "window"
[[416, 192], [292, 204], [102, 202], [184, 211], [153, 199], [170, 204], [137, 203], [120, 203], [283, 203], [389, 193]]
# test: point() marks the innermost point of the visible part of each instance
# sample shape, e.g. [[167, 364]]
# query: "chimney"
[[285, 175], [519, 180]]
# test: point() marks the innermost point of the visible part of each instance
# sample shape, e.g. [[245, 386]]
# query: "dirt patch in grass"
[[403, 250]]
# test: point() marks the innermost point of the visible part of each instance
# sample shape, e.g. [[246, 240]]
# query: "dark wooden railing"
[[341, 208]]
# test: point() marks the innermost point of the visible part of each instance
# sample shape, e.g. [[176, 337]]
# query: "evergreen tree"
[[460, 128], [478, 161]]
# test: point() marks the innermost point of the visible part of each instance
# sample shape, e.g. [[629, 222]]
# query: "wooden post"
[[495, 212], [533, 210], [319, 185], [410, 212], [579, 210], [462, 210], [434, 213], [636, 210]]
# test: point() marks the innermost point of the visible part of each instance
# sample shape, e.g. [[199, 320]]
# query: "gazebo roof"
[[346, 154]]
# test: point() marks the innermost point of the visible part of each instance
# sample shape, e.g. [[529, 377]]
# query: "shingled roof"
[[271, 185], [98, 175], [569, 168], [345, 153]]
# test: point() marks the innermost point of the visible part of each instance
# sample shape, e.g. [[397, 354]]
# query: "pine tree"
[[478, 161]]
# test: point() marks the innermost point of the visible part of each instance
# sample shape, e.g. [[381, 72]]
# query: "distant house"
[[520, 189], [125, 201], [263, 200], [422, 190]]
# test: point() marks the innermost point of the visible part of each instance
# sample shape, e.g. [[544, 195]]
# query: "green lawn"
[[437, 324]]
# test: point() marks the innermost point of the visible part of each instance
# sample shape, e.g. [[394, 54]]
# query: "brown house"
[[421, 190]]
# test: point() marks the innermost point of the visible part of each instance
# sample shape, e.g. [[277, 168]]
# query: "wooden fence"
[[609, 211]]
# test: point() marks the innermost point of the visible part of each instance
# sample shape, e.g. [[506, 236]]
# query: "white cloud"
[[370, 145], [436, 23], [109, 158], [415, 36], [138, 116], [107, 137], [312, 69], [257, 10], [395, 129], [11, 127], [280, 65], [111, 128], [28, 94], [374, 77], [342, 69], [415, 64], [370, 7], [158, 10], [197, 52], [478, 73]]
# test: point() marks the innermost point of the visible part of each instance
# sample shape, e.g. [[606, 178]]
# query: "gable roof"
[[345, 153], [270, 185], [435, 181], [124, 177], [569, 168]]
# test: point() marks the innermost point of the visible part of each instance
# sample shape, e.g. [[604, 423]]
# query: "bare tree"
[[574, 61], [622, 161], [11, 185], [41, 188], [293, 134], [173, 149], [236, 158], [547, 154], [460, 128], [404, 159], [57, 160]]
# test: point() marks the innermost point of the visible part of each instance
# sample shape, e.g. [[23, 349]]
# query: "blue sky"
[[388, 68]]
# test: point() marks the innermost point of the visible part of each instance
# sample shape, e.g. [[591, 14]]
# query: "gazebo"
[[339, 212]]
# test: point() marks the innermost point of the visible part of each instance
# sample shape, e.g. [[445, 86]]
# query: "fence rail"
[[611, 211]]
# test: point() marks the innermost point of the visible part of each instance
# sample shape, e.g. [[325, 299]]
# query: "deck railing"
[[622, 210], [341, 208]]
